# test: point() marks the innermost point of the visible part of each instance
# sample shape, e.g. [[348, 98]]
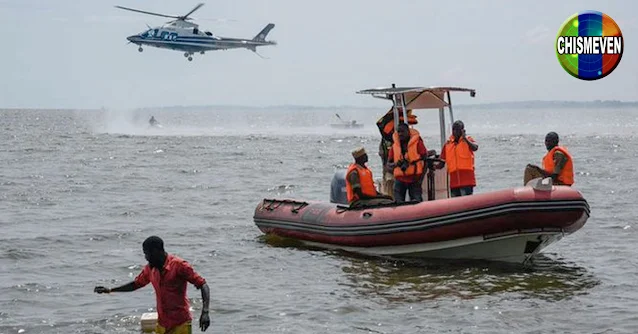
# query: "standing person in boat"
[[169, 275], [387, 182], [360, 183], [406, 158], [386, 127], [557, 163], [458, 153]]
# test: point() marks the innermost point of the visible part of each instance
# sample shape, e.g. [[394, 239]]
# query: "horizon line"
[[519, 103]]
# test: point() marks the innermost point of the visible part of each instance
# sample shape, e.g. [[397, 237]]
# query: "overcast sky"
[[73, 54]]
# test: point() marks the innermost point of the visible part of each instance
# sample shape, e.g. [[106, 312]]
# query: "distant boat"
[[346, 124], [153, 123]]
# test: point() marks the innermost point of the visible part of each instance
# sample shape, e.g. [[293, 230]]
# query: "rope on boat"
[[274, 204], [301, 206]]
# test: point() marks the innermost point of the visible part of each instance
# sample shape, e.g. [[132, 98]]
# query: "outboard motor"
[[338, 192]]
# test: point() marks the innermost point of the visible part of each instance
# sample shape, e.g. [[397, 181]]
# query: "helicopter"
[[184, 36]]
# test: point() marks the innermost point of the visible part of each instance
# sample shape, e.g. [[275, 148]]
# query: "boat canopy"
[[414, 98], [419, 97]]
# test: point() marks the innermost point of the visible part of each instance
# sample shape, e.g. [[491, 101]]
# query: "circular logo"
[[589, 45]]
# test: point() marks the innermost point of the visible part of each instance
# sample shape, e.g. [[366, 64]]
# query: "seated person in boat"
[[360, 184], [557, 164], [406, 158], [458, 153]]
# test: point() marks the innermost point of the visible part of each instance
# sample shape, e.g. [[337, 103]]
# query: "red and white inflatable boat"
[[508, 225]]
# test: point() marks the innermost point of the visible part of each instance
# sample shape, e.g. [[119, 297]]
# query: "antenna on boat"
[[395, 111], [396, 97]]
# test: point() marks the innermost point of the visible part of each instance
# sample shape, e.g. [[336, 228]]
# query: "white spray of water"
[[284, 122], [136, 123]]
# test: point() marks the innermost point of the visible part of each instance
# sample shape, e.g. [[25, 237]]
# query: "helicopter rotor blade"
[[184, 17], [220, 20], [145, 12]]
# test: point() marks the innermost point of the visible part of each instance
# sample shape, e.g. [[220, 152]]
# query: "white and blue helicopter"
[[180, 35]]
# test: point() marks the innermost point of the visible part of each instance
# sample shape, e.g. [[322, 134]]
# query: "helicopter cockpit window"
[[208, 33], [151, 33], [195, 31]]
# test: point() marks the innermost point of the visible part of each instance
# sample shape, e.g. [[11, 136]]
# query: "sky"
[[74, 54]]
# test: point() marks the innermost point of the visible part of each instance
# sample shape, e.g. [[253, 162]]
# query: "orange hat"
[[411, 118]]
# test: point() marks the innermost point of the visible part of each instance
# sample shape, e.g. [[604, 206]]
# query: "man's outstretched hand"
[[204, 321], [101, 289]]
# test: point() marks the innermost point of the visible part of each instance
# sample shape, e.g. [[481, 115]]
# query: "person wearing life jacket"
[[386, 123], [386, 127], [360, 187], [406, 158], [557, 163], [458, 153]]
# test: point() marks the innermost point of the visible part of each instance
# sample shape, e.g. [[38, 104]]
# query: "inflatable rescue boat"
[[510, 225]]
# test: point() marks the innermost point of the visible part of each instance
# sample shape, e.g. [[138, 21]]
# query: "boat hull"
[[517, 247], [508, 225]]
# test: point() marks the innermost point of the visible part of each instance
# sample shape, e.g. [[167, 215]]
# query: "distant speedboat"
[[352, 125], [346, 124]]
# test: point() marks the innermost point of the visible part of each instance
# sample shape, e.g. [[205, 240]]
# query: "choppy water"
[[79, 192]]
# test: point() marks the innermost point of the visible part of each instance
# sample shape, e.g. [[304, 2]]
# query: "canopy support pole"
[[442, 126], [395, 111], [405, 112], [449, 102]]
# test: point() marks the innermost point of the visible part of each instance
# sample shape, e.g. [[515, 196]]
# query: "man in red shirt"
[[168, 274]]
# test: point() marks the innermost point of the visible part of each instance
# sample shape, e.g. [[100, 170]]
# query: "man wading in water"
[[168, 274]]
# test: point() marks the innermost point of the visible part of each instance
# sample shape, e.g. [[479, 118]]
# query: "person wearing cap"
[[458, 153], [406, 158], [557, 163], [360, 187]]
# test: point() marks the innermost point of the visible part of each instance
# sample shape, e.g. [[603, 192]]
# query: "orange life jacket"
[[389, 127], [458, 156], [566, 175], [412, 155], [365, 179]]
